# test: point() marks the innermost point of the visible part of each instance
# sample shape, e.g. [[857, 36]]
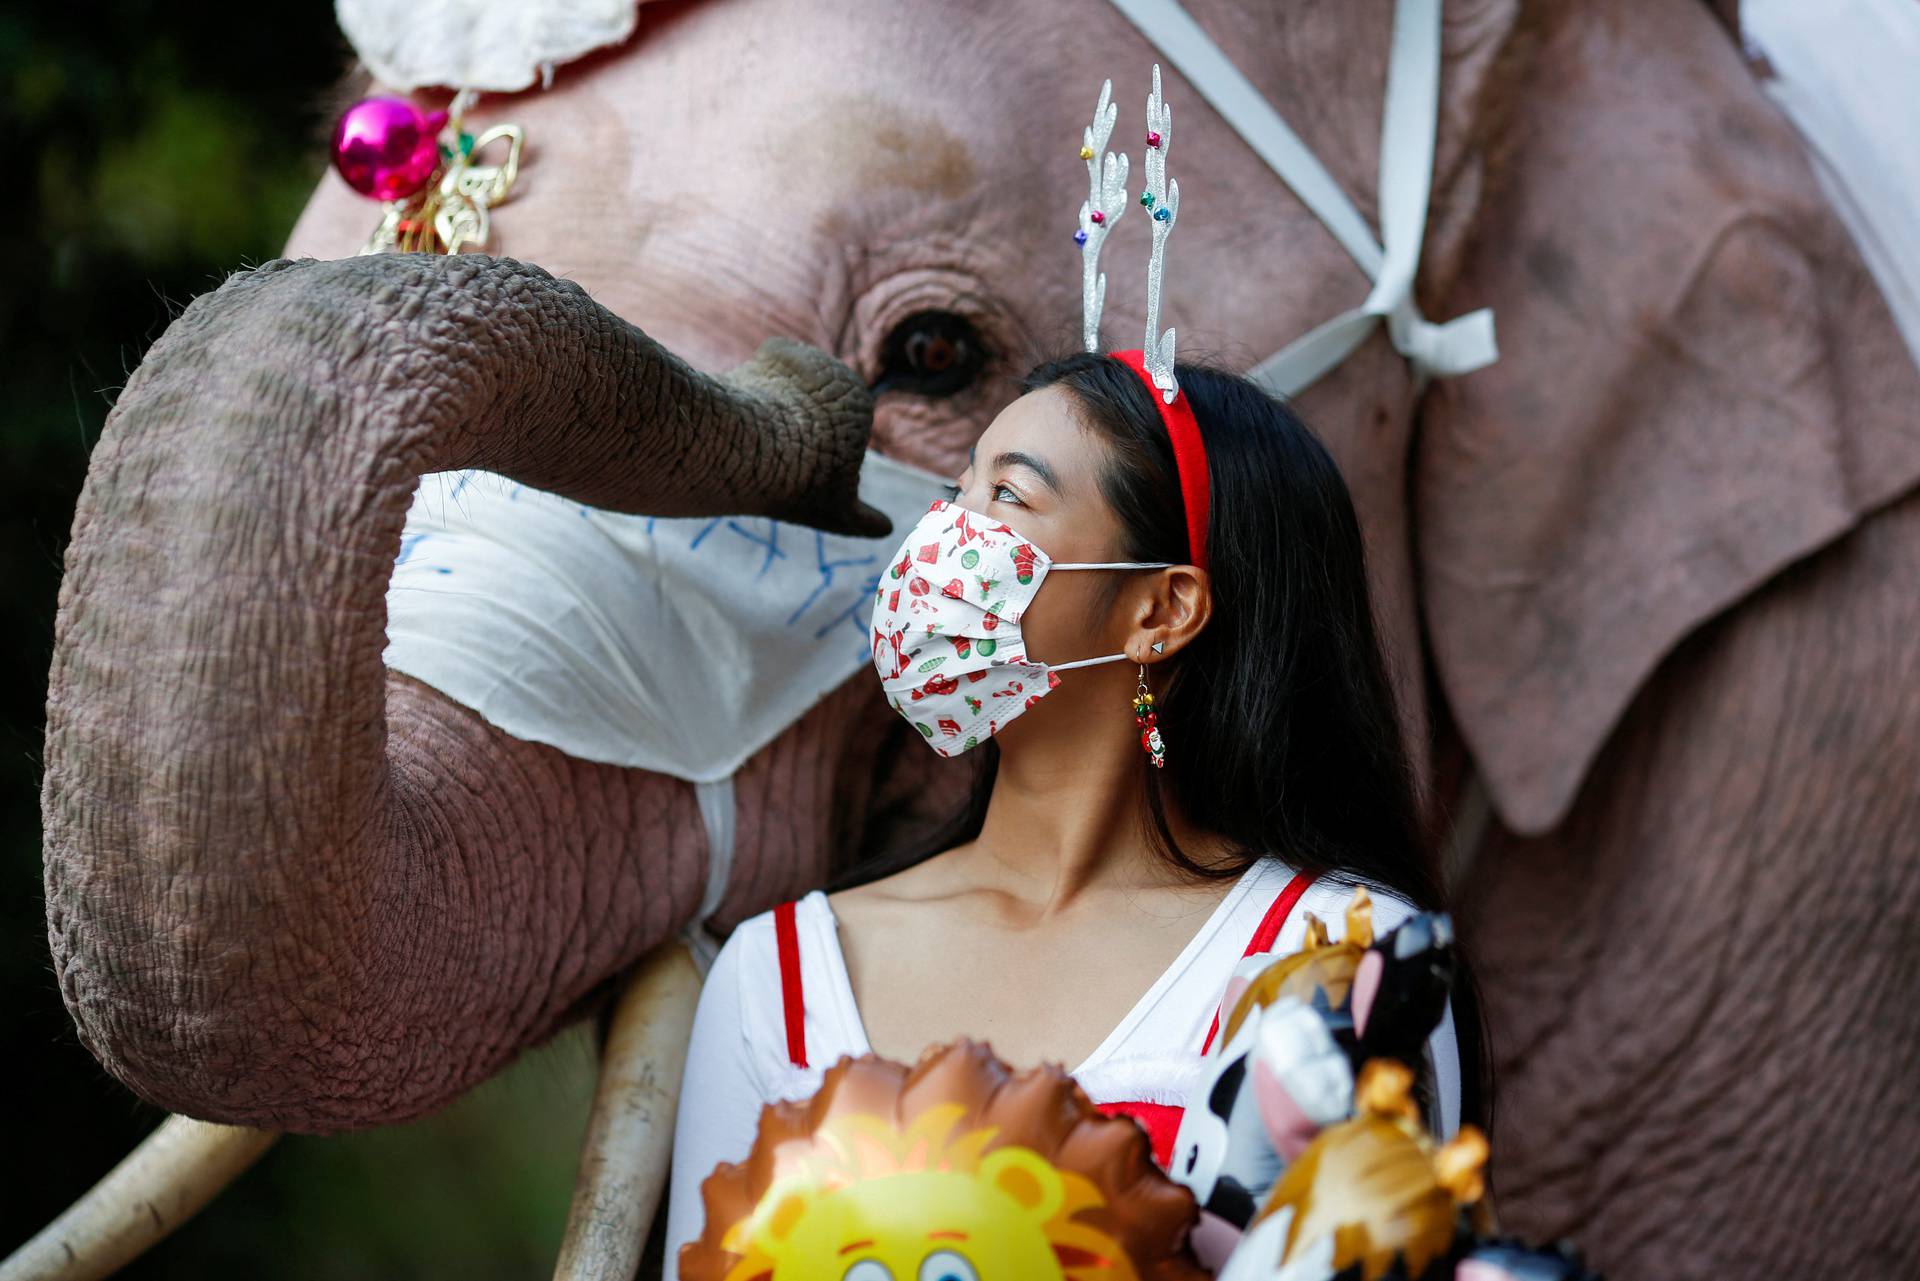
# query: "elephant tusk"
[[623, 1163], [185, 1163], [158, 1186]]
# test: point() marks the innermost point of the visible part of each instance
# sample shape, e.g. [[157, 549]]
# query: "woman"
[[1081, 875]]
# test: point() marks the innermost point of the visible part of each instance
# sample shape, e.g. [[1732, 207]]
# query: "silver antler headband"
[[1106, 201], [1163, 199]]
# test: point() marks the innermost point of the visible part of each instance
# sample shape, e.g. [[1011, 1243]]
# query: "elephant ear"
[[1699, 384]]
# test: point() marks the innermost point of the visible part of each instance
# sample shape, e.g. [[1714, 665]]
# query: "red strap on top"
[[1268, 931], [786, 936]]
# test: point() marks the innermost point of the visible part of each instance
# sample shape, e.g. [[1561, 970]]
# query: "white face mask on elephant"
[[946, 626], [680, 646]]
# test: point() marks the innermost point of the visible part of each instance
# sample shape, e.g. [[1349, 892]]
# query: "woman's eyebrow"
[[1037, 466]]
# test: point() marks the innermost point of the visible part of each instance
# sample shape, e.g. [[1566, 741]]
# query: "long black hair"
[[1282, 729]]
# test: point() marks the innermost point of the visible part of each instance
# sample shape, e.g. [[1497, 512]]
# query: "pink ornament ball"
[[387, 148]]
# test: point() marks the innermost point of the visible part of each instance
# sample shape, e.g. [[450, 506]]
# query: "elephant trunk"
[[251, 918]]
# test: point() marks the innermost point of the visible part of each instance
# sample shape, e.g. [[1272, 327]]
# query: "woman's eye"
[[1010, 495], [931, 353], [951, 492]]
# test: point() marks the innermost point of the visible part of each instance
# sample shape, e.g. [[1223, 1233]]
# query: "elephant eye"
[[931, 353]]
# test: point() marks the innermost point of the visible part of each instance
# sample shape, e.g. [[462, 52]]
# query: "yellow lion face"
[[925, 1227], [871, 1203]]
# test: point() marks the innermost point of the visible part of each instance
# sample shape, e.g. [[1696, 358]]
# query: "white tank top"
[[744, 1052]]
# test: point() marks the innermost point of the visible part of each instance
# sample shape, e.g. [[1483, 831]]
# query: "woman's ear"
[[1175, 607]]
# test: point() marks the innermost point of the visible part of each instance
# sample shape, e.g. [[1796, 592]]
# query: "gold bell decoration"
[[435, 181]]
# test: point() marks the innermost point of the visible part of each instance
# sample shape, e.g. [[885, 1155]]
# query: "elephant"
[[288, 888]]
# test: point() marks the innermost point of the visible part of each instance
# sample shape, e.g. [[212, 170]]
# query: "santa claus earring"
[[1143, 715]]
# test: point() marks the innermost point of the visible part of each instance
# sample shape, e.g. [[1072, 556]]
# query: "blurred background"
[[157, 147]]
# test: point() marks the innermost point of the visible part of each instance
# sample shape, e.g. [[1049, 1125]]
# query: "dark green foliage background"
[[150, 149]]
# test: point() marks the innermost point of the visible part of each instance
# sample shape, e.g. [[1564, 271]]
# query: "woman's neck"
[[1068, 818]]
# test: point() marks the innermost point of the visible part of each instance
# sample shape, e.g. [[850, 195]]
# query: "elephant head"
[[287, 888]]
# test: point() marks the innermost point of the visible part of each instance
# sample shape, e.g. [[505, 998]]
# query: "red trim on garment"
[[786, 935], [1189, 454], [1161, 1121], [1267, 932]]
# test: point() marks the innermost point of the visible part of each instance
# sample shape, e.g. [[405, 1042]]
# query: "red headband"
[[1189, 454]]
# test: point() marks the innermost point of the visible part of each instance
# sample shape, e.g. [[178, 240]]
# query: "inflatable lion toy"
[[957, 1168]]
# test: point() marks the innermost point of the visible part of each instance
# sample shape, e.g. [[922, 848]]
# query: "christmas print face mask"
[[946, 626]]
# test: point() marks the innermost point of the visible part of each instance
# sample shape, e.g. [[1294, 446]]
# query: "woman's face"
[[1037, 469]]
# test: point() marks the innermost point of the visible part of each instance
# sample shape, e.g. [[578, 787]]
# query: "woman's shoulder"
[[1329, 897], [756, 938], [745, 971], [744, 985]]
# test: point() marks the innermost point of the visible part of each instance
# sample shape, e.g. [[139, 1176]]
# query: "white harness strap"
[[1407, 130], [717, 815]]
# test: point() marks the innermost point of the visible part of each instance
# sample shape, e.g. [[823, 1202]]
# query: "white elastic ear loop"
[[1102, 564], [1085, 662], [1113, 564]]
